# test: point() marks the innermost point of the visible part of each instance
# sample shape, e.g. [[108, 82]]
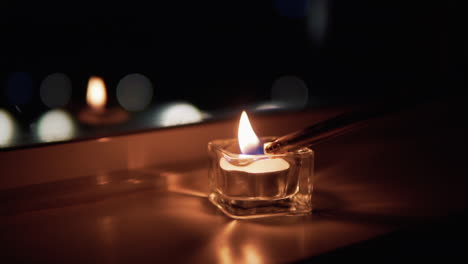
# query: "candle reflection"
[[251, 254], [225, 255], [97, 113], [102, 178], [106, 224], [96, 95], [55, 125], [230, 251], [106, 228]]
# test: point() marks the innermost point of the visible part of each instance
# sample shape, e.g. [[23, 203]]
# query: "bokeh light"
[[7, 128], [290, 91], [269, 106], [178, 113], [19, 88], [134, 92], [55, 90], [55, 125]]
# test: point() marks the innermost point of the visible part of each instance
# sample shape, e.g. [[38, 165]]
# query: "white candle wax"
[[259, 166], [261, 178]]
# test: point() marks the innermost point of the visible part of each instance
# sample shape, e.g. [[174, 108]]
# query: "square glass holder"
[[254, 186]]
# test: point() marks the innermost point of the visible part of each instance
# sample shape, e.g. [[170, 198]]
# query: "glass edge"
[[215, 145]]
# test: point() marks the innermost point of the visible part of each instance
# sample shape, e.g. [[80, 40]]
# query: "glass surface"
[[252, 186]]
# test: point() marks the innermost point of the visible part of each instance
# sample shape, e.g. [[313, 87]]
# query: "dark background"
[[225, 54]]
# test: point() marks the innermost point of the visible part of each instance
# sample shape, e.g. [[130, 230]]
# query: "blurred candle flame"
[[249, 143], [96, 95]]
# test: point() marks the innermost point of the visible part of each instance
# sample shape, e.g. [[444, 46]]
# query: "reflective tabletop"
[[401, 171]]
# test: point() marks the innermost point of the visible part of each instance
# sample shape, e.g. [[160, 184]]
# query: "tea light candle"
[[268, 174], [261, 166], [250, 184], [96, 113]]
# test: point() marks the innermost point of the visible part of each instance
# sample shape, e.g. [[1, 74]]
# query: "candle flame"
[[96, 95], [249, 143]]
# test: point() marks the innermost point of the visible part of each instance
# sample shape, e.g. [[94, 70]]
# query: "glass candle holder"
[[253, 186]]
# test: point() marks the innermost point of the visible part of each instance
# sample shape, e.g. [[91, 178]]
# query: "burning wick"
[[97, 113], [250, 145], [246, 183]]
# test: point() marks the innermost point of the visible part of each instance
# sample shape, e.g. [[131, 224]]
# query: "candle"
[[257, 167], [267, 175], [96, 112], [261, 178], [246, 183]]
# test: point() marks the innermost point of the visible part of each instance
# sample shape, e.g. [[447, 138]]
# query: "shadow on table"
[[443, 240]]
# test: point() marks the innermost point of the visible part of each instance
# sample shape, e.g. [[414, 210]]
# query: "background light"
[[55, 125], [7, 128], [56, 90], [269, 106], [290, 91], [134, 92], [178, 114], [317, 20]]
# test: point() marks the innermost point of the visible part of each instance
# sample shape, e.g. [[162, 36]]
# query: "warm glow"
[[252, 254], [248, 140], [102, 178], [96, 95], [223, 245], [225, 255]]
